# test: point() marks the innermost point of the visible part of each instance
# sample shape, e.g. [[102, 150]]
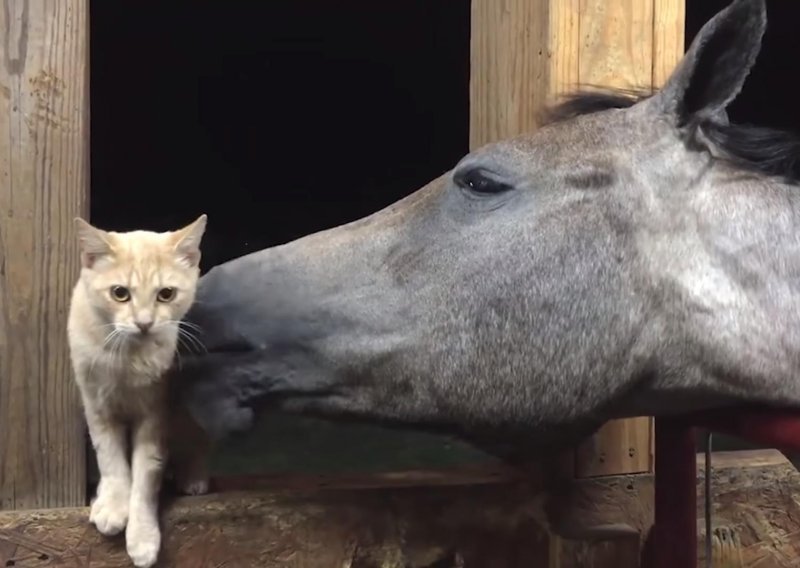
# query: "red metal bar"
[[675, 529], [773, 428]]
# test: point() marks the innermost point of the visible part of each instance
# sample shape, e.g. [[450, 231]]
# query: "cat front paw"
[[109, 510], [143, 540]]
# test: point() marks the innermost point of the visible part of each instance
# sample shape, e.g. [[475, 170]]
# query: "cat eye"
[[120, 293], [166, 294]]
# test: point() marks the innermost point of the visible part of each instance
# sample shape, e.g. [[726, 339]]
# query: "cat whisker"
[[192, 341], [195, 342], [178, 355], [191, 325], [118, 348], [110, 333], [183, 344]]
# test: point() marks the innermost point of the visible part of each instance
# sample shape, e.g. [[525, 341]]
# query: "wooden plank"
[[523, 56], [44, 185], [669, 28], [408, 523], [755, 509], [616, 47], [629, 44], [417, 519], [563, 49], [509, 72], [743, 459], [620, 446]]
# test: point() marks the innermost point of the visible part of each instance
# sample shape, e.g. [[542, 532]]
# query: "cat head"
[[141, 282]]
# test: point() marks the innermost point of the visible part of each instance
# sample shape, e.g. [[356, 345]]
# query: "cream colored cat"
[[134, 289]]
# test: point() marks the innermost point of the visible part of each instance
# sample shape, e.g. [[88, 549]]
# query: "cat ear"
[[187, 241], [94, 242]]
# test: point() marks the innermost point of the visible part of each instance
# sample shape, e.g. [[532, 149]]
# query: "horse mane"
[[757, 149]]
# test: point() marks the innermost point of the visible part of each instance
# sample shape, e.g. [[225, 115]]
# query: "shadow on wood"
[[483, 518], [416, 519]]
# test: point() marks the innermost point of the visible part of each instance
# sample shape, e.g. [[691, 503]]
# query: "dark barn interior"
[[278, 119], [769, 97], [283, 118]]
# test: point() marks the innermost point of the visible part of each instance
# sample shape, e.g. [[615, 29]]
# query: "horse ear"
[[713, 70]]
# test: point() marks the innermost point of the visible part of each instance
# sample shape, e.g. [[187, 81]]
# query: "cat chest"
[[126, 391], [128, 395]]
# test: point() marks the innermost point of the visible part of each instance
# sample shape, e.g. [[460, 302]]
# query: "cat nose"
[[144, 326]]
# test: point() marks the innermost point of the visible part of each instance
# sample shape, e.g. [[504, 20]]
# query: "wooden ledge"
[[746, 459], [486, 517], [754, 496], [483, 517]]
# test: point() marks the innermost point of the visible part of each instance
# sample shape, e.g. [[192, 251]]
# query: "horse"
[[636, 255]]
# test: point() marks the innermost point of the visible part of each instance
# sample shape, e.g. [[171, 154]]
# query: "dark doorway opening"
[[278, 119], [283, 118]]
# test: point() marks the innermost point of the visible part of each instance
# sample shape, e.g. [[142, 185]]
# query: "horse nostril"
[[144, 326]]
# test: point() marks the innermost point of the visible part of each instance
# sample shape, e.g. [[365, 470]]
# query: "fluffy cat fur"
[[124, 325]]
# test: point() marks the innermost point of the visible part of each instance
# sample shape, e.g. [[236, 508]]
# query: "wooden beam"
[[44, 156], [756, 515], [418, 519], [523, 54]]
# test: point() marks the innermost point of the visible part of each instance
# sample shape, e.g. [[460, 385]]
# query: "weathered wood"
[[43, 185], [484, 517], [510, 64], [419, 519], [669, 29], [754, 496]]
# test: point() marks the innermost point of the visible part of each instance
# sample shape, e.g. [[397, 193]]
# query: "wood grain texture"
[[616, 43], [510, 63], [43, 186], [755, 508], [563, 48], [620, 446], [412, 522], [419, 520], [669, 36]]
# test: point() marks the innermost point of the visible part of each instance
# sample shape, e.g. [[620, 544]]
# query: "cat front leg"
[[109, 509], [143, 535]]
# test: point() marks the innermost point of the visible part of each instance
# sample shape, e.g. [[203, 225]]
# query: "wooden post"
[[524, 54], [44, 155]]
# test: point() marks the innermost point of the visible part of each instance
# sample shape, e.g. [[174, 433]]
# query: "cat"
[[123, 329]]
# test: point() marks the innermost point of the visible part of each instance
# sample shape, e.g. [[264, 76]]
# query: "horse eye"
[[166, 294], [478, 181], [120, 293]]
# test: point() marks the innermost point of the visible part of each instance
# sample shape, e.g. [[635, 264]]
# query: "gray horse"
[[634, 256]]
